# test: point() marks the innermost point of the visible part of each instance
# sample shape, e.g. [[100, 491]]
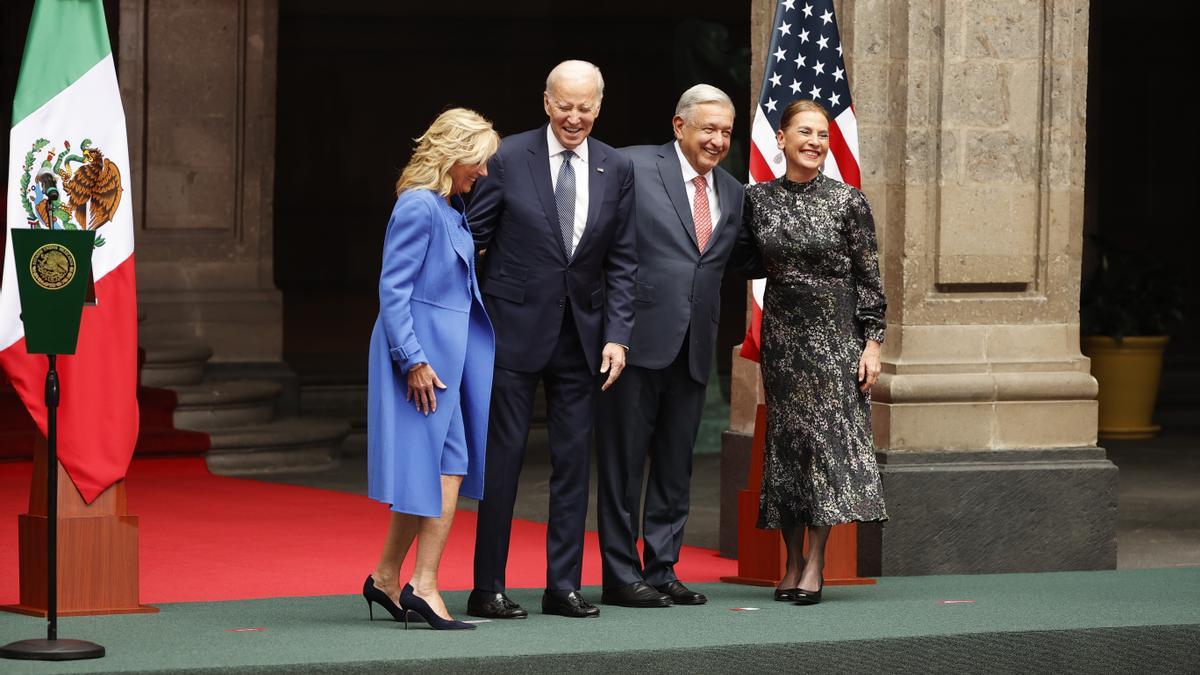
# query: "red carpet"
[[206, 537]]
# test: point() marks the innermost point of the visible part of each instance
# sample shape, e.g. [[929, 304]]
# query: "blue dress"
[[430, 311]]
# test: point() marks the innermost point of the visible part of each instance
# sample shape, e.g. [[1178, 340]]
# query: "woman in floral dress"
[[813, 238]]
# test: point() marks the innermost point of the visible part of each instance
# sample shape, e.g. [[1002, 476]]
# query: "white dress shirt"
[[689, 174], [579, 163]]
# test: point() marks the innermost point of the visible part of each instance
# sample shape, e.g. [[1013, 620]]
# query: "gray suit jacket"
[[678, 288]]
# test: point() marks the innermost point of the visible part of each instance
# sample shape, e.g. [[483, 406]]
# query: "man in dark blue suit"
[[687, 218], [555, 217]]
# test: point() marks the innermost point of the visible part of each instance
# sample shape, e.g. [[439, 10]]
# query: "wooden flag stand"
[[762, 557], [97, 550]]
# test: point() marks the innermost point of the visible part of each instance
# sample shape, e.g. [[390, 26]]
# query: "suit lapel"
[[597, 177], [672, 178], [539, 168]]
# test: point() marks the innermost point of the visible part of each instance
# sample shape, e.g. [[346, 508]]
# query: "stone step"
[[289, 444], [224, 405], [335, 400], [174, 362]]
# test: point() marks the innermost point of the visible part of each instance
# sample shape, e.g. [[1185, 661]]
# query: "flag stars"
[[826, 17], [819, 68], [781, 54], [775, 79], [838, 75], [771, 103], [795, 86], [801, 61], [823, 42], [815, 93], [785, 29], [835, 100], [807, 10], [789, 4], [803, 36], [839, 49]]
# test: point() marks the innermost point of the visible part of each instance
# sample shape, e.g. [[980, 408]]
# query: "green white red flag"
[[67, 118]]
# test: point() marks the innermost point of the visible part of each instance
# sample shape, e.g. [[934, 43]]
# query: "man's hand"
[[421, 383], [612, 361]]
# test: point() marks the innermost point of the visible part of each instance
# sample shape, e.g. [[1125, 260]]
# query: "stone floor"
[[1158, 526]]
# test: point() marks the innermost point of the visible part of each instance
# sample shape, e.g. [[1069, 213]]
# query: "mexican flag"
[[67, 119]]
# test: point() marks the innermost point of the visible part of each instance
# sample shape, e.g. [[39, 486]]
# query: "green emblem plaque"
[[53, 270]]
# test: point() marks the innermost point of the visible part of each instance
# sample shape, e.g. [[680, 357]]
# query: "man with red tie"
[[687, 214]]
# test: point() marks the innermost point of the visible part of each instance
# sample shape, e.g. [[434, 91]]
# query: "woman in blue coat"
[[430, 373]]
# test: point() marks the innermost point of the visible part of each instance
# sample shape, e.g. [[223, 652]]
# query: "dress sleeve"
[[404, 249], [871, 304]]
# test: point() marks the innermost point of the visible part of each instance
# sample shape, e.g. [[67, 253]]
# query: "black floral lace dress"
[[815, 244]]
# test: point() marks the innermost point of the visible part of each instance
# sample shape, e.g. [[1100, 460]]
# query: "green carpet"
[[1091, 620]]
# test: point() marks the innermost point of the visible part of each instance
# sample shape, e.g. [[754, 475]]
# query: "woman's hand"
[[868, 366], [421, 383]]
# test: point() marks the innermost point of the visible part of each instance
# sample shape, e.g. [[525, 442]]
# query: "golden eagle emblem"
[[91, 189], [52, 266]]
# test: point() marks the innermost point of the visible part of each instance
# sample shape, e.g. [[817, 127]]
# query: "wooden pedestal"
[[97, 550], [762, 557]]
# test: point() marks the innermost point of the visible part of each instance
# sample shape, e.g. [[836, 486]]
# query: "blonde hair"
[[457, 136]]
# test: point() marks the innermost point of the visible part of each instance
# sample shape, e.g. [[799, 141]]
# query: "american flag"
[[803, 61]]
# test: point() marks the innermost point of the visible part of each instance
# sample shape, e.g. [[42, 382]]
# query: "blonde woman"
[[430, 373]]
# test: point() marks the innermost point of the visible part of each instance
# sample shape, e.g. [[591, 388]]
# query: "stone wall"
[[198, 83], [972, 124], [972, 135]]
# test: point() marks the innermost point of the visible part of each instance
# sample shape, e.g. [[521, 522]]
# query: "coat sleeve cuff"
[[408, 355]]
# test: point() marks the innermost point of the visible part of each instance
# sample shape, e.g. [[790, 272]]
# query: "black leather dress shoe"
[[571, 605], [489, 605], [680, 594], [637, 594]]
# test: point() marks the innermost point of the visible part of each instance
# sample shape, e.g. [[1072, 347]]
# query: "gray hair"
[[698, 95], [575, 69]]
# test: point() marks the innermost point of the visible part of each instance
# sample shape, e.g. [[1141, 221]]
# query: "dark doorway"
[[1142, 172], [358, 81]]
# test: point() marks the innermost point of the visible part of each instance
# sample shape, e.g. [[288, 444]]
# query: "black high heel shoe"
[[373, 595], [410, 601], [803, 597], [785, 594]]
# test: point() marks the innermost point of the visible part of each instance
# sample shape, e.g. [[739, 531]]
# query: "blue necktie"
[[564, 199]]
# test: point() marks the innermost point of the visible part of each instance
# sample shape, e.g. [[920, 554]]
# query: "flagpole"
[[52, 498]]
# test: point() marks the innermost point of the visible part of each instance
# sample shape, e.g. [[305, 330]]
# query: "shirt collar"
[[555, 147], [689, 174]]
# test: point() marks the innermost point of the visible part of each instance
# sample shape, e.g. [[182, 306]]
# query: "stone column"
[[971, 125], [198, 83]]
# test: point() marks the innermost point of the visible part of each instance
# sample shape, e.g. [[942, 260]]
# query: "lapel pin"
[[599, 169]]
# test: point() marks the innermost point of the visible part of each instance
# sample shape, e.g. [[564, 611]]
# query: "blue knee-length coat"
[[430, 311]]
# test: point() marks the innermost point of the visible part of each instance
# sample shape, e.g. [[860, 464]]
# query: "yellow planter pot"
[[1128, 372]]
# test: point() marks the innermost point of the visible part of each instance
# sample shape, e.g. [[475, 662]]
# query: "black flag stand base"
[[52, 649]]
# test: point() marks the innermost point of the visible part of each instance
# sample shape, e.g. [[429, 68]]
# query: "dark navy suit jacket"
[[526, 274], [678, 288]]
